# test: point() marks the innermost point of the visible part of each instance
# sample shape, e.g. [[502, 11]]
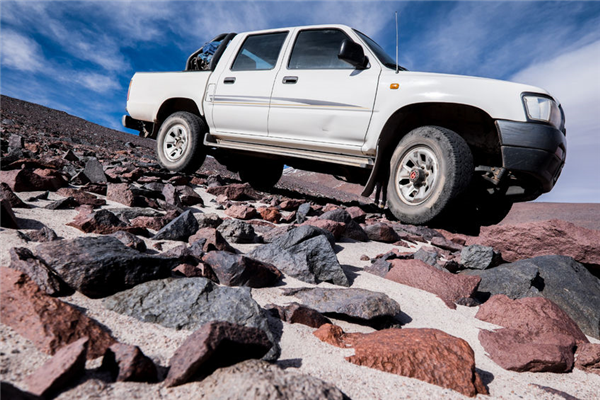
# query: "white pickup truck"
[[328, 99]]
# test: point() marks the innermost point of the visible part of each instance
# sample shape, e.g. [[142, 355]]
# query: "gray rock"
[[304, 253], [94, 171], [237, 231], [23, 260], [130, 240], [15, 142], [210, 220], [355, 303], [239, 270], [189, 303], [558, 278], [302, 213], [428, 257], [478, 257], [101, 266], [134, 212], [266, 381], [181, 228]]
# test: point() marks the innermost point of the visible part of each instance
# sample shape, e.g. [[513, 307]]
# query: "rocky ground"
[[120, 280]]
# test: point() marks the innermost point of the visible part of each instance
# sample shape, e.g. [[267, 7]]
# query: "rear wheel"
[[179, 142], [261, 174], [430, 166]]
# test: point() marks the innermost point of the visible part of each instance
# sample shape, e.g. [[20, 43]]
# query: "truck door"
[[243, 90], [318, 98]]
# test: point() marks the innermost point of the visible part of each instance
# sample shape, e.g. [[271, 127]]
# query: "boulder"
[[26, 180], [448, 287], [7, 194], [190, 303], [212, 240], [215, 345], [523, 351], [127, 363], [23, 260], [236, 191], [558, 278], [304, 253], [47, 322], [94, 171], [67, 364], [266, 381], [101, 266], [7, 216], [353, 303], [531, 314], [295, 313], [238, 270], [241, 212], [479, 257], [413, 352], [587, 357], [121, 193], [238, 231], [381, 232], [532, 239], [181, 228]]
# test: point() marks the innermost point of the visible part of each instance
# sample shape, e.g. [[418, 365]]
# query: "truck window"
[[259, 52], [318, 49]]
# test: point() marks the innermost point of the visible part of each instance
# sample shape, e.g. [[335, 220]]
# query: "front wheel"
[[179, 142], [430, 166]]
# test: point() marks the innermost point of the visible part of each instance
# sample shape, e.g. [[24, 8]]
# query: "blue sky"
[[79, 56]]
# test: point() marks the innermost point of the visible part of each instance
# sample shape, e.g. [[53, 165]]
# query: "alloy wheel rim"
[[417, 175], [175, 143]]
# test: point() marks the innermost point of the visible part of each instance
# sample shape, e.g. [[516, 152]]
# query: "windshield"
[[379, 52]]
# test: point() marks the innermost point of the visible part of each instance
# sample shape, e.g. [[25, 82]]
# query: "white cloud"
[[95, 82], [574, 78], [20, 52]]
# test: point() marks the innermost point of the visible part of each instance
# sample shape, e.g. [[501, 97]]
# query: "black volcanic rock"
[[101, 266], [94, 171], [7, 216], [190, 303], [181, 228], [238, 270], [7, 194], [23, 260]]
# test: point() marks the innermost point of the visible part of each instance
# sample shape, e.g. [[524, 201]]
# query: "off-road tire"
[[262, 174], [192, 155], [447, 168]]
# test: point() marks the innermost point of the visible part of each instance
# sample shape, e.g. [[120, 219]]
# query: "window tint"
[[318, 49], [259, 52]]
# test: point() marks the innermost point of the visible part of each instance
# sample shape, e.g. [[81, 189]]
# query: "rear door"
[[320, 99], [243, 90]]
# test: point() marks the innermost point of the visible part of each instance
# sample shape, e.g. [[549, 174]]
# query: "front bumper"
[[534, 152]]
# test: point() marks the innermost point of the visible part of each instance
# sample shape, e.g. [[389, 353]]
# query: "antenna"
[[396, 41]]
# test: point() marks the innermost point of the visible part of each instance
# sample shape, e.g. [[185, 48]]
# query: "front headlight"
[[542, 109]]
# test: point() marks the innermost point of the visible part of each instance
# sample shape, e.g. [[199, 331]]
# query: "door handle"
[[229, 80], [290, 79]]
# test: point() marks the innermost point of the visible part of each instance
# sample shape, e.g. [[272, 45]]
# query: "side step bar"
[[354, 161]]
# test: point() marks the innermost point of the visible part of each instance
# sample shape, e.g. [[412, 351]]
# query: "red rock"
[[291, 204], [449, 287], [127, 363], [130, 240], [335, 336], [532, 239], [215, 344], [356, 213], [270, 214], [25, 180], [530, 314], [445, 244], [330, 207], [188, 196], [295, 313], [154, 223], [191, 271], [365, 257], [121, 193], [67, 364], [236, 191], [430, 355], [287, 219], [102, 222], [7, 216], [198, 181], [7, 194], [587, 357], [336, 228], [214, 240], [81, 197], [241, 212], [523, 351], [23, 260], [381, 232], [47, 322]]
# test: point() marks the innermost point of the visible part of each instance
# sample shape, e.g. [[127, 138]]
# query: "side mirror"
[[353, 54]]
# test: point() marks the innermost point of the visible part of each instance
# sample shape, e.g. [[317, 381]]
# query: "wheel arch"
[[474, 125], [171, 106]]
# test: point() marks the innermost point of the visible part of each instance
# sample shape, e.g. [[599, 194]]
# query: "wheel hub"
[[417, 175]]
